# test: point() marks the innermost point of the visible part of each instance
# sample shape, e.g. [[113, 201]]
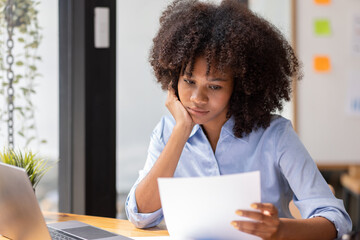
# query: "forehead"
[[200, 66]]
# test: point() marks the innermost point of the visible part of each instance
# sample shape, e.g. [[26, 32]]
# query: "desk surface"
[[119, 226]]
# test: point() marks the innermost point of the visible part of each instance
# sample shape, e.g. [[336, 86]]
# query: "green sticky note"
[[322, 27]]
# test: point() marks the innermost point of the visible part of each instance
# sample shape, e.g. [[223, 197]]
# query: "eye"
[[189, 81], [215, 87]]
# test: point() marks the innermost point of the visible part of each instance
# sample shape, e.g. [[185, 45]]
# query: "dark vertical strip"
[[100, 117], [87, 169], [65, 106], [78, 104]]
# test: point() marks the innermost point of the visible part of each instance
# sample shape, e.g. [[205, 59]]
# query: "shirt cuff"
[[141, 220], [342, 227]]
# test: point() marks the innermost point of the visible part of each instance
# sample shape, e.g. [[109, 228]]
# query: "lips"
[[197, 111]]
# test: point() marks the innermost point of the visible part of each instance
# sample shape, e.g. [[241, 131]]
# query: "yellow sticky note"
[[322, 64], [322, 27], [323, 2]]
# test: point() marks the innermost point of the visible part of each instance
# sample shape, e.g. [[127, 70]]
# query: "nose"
[[199, 97]]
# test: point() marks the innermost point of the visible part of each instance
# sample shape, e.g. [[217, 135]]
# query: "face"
[[205, 97]]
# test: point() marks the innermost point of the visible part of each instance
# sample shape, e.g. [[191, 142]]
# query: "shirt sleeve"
[[146, 220], [312, 194]]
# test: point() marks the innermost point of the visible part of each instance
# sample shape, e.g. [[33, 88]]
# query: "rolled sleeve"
[[146, 220], [331, 209], [312, 195], [141, 220]]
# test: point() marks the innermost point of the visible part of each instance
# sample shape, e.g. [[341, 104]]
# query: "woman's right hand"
[[177, 110], [147, 192]]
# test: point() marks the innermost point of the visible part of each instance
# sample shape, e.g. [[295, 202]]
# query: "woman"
[[227, 71]]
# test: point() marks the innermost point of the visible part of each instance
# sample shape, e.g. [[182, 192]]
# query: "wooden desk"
[[119, 226]]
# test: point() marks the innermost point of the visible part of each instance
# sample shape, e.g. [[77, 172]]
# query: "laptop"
[[21, 217]]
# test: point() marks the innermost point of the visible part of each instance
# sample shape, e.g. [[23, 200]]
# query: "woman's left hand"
[[266, 224]]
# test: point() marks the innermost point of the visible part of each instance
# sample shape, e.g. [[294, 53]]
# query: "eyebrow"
[[189, 75]]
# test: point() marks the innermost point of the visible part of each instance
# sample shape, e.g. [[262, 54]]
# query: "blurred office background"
[[139, 99]]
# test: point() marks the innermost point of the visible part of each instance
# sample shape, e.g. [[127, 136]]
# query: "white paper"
[[151, 238], [203, 208]]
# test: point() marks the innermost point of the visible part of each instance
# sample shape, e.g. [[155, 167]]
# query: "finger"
[[170, 85], [254, 228], [258, 216], [170, 89], [266, 208], [171, 98], [171, 93]]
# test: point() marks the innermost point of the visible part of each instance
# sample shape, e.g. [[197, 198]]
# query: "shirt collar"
[[228, 128], [194, 130]]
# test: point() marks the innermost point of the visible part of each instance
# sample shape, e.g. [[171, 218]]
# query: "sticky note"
[[323, 2], [322, 64], [322, 27]]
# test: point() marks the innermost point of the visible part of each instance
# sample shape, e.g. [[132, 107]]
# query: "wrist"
[[184, 128], [280, 233]]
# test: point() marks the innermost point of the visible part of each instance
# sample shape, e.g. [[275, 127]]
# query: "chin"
[[198, 120]]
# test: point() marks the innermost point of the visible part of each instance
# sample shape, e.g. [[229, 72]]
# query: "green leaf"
[[20, 111], [34, 166], [19, 63], [29, 141], [20, 39], [38, 75], [35, 44], [33, 68], [23, 29], [25, 90]]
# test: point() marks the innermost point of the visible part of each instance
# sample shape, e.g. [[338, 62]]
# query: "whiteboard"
[[328, 122]]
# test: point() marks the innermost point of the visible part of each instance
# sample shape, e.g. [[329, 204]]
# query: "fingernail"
[[234, 224], [239, 212], [266, 212], [254, 205]]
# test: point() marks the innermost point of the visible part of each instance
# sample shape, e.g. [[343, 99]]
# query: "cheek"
[[184, 91], [221, 100]]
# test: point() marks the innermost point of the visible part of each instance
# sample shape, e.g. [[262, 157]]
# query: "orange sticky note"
[[322, 64], [323, 2]]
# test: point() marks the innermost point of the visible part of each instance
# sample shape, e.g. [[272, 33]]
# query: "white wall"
[[140, 101], [322, 97]]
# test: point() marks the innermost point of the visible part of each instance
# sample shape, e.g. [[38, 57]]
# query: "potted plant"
[[34, 166]]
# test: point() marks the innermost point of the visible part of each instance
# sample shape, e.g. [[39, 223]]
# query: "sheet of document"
[[203, 207], [151, 238]]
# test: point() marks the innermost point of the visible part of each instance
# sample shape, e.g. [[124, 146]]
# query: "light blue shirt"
[[286, 168]]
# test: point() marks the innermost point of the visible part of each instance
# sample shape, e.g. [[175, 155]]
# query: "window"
[[42, 126]]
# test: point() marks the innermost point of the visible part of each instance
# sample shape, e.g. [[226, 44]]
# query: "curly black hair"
[[229, 36]]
